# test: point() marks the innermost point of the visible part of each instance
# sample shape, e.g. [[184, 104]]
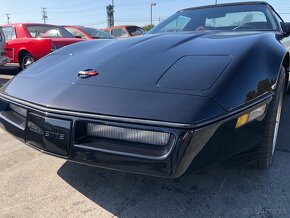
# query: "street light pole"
[[152, 4]]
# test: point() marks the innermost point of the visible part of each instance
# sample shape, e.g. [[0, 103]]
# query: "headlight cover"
[[128, 134]]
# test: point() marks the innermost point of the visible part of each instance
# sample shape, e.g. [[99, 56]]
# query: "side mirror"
[[286, 28]]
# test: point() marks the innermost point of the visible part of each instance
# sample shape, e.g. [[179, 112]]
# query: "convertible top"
[[229, 4]]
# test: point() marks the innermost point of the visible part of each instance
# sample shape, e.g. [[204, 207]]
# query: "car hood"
[[139, 62], [136, 76]]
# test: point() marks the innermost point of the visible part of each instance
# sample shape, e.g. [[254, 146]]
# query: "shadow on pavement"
[[218, 192], [226, 190], [7, 73], [9, 70]]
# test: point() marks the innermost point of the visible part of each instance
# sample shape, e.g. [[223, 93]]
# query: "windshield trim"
[[199, 15]]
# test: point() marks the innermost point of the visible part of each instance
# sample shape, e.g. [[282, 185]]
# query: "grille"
[[56, 46]]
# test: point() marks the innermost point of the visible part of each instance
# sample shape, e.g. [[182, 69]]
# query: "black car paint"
[[125, 81], [130, 90], [202, 145]]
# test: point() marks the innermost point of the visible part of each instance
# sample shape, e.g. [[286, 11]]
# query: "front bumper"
[[62, 134]]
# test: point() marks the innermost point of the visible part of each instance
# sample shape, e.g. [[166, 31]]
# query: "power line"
[[44, 14], [87, 4], [23, 12], [145, 3], [81, 10]]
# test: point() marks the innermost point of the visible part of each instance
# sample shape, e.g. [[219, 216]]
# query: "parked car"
[[88, 32], [124, 31], [203, 86], [3, 58], [28, 42]]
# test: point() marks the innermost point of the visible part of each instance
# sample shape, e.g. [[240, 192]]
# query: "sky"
[[93, 12]]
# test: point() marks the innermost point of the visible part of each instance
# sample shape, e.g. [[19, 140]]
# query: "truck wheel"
[[266, 148], [26, 60]]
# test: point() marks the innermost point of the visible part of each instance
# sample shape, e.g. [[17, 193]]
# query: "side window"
[[237, 19], [107, 31], [176, 25], [278, 19], [125, 33], [9, 32], [135, 31], [76, 33], [117, 32]]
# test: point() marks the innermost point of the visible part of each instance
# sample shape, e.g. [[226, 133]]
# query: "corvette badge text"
[[52, 135]]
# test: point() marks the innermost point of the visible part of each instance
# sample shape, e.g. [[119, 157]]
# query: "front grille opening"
[[13, 114], [19, 110]]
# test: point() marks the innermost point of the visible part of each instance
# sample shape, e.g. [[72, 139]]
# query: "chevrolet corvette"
[[203, 86]]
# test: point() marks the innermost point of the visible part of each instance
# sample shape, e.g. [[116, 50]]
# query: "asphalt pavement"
[[36, 185]]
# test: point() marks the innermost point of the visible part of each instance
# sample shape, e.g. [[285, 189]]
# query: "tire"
[[26, 60], [266, 149]]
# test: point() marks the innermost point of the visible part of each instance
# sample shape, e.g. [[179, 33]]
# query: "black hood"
[[135, 63], [142, 77]]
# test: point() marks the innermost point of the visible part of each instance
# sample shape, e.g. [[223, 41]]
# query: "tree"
[[148, 27]]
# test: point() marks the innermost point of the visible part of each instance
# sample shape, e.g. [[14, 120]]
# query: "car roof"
[[32, 24], [121, 26], [229, 4], [73, 26]]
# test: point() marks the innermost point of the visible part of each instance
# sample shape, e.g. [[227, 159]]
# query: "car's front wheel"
[[266, 148]]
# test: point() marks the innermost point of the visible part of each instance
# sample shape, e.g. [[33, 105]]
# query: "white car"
[[3, 58]]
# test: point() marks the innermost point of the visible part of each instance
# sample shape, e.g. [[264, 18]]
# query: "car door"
[[2, 40], [10, 35], [3, 58]]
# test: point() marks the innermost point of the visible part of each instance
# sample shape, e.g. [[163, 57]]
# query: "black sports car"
[[204, 85]]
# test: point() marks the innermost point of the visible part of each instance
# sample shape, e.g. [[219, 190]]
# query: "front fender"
[[251, 74]]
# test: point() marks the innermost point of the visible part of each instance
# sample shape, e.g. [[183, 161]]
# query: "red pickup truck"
[[28, 42]]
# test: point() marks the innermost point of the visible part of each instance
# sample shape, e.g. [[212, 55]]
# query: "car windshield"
[[223, 18], [135, 30], [97, 34], [46, 31]]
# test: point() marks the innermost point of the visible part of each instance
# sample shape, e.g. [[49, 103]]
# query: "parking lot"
[[37, 185]]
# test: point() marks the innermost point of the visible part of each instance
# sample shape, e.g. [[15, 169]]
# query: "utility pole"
[[8, 18], [152, 4], [110, 14], [44, 14], [113, 17], [216, 1]]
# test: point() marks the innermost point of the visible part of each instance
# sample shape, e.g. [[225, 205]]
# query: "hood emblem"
[[87, 73]]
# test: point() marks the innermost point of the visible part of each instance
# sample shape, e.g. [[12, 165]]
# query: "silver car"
[[3, 58]]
